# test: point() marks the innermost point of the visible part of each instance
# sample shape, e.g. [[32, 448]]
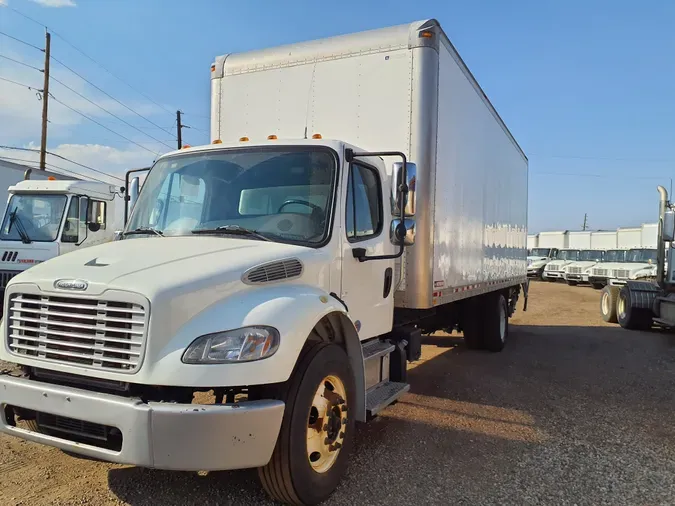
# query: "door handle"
[[388, 278]]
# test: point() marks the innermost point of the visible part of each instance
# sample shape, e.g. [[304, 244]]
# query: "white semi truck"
[[579, 271], [45, 218], [360, 190], [643, 303]]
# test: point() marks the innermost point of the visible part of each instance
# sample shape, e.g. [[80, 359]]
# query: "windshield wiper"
[[233, 230], [144, 230], [15, 220]]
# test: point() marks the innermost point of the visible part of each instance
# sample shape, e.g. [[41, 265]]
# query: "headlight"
[[240, 345]]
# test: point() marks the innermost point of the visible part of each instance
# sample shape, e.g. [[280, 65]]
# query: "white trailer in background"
[[579, 239], [359, 191], [629, 237], [548, 244], [604, 240], [649, 236], [532, 242]]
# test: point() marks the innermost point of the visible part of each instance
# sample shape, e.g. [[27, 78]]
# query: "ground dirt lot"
[[572, 412]]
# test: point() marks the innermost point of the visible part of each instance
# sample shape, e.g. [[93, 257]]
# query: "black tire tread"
[[637, 318], [473, 326], [491, 337]]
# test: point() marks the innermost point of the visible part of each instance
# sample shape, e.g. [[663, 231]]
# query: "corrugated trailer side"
[[580, 239], [480, 200], [603, 240]]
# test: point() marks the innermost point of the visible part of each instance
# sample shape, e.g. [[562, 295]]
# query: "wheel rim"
[[502, 322], [326, 424], [605, 303], [621, 307]]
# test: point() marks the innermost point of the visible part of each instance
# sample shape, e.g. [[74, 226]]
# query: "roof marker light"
[[317, 136], [243, 139], [272, 137]]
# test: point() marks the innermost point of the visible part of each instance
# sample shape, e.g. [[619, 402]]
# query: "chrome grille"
[[574, 270], [274, 271], [620, 273], [553, 267], [100, 334], [599, 272]]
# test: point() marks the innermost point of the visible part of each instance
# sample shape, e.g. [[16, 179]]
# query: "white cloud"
[[3, 3], [55, 3]]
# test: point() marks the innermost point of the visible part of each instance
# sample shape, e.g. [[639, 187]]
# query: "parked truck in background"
[[642, 304], [548, 244], [579, 271], [45, 218], [532, 242], [599, 274], [288, 269], [555, 269]]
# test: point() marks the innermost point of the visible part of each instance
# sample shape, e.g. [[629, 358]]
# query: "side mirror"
[[402, 232], [134, 189], [396, 198], [669, 226]]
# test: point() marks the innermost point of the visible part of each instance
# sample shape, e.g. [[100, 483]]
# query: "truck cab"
[[555, 269], [537, 258], [639, 264], [578, 272], [44, 219]]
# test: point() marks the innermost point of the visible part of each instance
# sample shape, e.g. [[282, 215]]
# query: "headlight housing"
[[240, 345]]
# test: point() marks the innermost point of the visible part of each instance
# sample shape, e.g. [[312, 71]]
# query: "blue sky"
[[585, 87]]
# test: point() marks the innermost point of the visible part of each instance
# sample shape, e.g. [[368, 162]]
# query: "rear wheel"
[[496, 318], [317, 430], [551, 280], [608, 300], [630, 317]]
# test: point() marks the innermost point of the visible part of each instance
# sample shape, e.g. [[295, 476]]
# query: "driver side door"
[[367, 287]]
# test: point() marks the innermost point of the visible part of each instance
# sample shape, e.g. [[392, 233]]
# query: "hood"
[[157, 265], [535, 259], [17, 256], [556, 265], [586, 264]]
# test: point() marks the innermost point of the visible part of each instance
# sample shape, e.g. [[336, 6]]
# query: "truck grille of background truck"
[[600, 272], [620, 273], [5, 277], [93, 333], [575, 270]]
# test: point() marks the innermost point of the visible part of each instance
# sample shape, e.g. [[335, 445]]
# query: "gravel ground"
[[572, 412]]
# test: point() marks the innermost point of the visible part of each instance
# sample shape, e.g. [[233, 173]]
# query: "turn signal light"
[[186, 146], [426, 35], [213, 68], [243, 139], [51, 178], [217, 141], [272, 137], [317, 136]]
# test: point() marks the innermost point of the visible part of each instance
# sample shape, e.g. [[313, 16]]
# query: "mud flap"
[[643, 294], [526, 291]]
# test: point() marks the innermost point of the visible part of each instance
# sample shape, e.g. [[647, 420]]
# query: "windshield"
[[641, 256], [568, 254], [615, 255], [40, 216], [540, 252], [590, 255], [284, 194]]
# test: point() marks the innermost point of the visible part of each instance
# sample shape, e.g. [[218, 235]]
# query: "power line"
[[22, 41], [63, 158], [21, 63], [110, 96], [27, 17], [109, 72], [19, 84], [103, 126], [107, 111]]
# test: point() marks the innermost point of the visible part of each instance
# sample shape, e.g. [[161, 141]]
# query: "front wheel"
[[629, 317], [572, 283], [317, 430], [496, 322], [597, 286]]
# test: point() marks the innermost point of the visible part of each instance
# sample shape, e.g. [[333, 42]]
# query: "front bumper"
[[579, 278], [553, 274], [534, 272], [185, 437]]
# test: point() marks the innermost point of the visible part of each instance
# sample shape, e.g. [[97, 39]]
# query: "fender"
[[294, 310], [642, 294]]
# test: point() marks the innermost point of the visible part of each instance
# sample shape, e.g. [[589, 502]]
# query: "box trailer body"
[[358, 191], [649, 235], [629, 237], [419, 98], [559, 240], [579, 239], [532, 241], [603, 240]]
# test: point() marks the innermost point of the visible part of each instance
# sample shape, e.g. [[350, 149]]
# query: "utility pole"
[[585, 226], [179, 130], [45, 101]]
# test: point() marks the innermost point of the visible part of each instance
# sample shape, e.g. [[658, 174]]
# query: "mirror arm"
[[360, 253]]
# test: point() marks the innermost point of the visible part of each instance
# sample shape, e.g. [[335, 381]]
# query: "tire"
[[496, 322], [608, 303], [551, 280], [598, 286], [629, 317], [290, 477], [572, 283], [541, 274], [473, 323]]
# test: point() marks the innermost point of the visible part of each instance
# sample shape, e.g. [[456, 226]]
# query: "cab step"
[[382, 395]]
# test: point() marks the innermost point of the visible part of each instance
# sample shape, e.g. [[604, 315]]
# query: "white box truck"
[[579, 239], [629, 237], [649, 235], [532, 242], [45, 218], [547, 249], [360, 190]]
